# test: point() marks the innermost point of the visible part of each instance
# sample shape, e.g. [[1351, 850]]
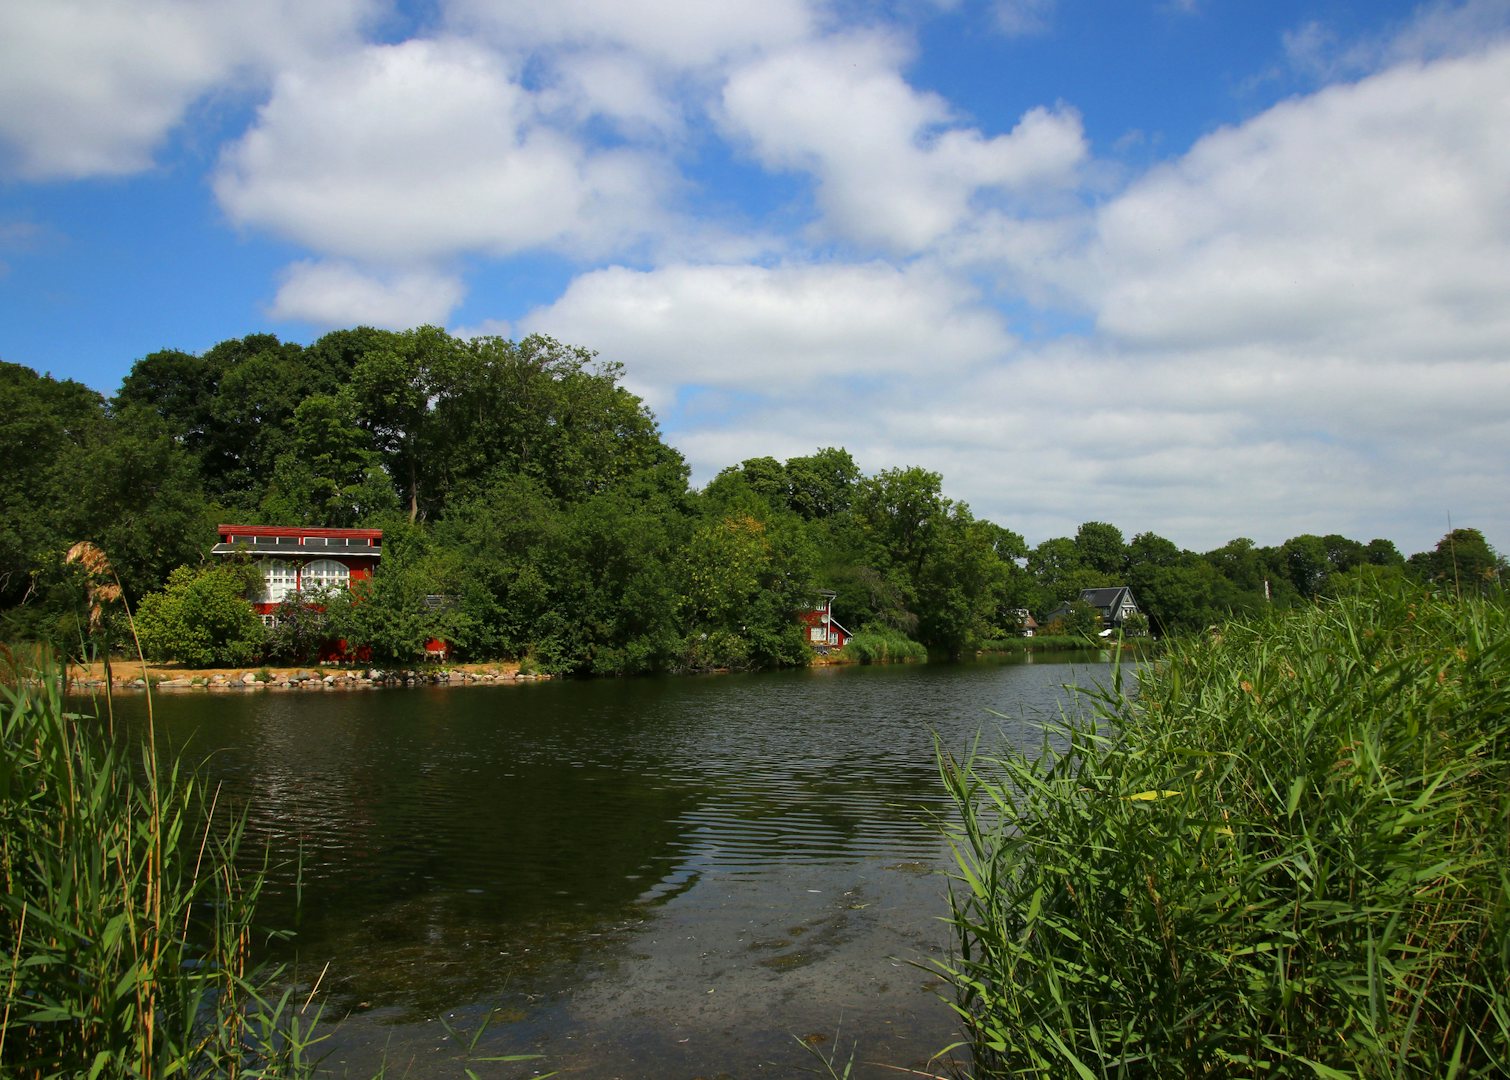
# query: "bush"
[[202, 618], [881, 646], [301, 627], [125, 923], [1283, 855]]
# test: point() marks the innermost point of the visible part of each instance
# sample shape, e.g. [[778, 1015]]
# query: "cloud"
[[775, 332], [1297, 326], [894, 169], [93, 88], [1024, 18], [1317, 51], [682, 33], [426, 149], [336, 294], [1371, 218]]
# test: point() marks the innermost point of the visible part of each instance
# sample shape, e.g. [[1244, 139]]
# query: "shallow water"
[[631, 878]]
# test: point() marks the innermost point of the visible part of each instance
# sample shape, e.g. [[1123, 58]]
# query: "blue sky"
[[1206, 267]]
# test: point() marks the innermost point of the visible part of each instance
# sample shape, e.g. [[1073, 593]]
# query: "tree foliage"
[[202, 618], [532, 510]]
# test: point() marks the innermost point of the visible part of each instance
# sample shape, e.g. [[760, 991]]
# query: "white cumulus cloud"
[[338, 294], [93, 87], [426, 149], [1373, 218], [775, 331], [893, 167], [683, 33]]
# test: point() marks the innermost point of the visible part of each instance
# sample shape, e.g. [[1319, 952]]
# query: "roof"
[[299, 541], [298, 530], [1107, 598]]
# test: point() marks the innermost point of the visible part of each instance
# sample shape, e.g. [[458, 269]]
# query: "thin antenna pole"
[[1452, 552]]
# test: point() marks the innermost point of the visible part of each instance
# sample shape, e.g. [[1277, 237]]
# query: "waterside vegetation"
[[1283, 855], [521, 486], [126, 922]]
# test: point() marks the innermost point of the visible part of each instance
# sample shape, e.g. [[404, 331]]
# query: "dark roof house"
[[1114, 604]]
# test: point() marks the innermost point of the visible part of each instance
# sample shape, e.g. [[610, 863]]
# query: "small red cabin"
[[823, 630]]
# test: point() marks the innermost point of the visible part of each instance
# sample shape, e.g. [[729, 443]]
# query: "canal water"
[[692, 877]]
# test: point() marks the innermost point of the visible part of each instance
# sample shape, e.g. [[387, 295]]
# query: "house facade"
[[823, 630], [1114, 604], [295, 559]]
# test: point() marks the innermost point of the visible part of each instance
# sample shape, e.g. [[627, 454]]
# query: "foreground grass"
[[1286, 856], [126, 926]]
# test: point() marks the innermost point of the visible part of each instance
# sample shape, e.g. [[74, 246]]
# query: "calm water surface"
[[636, 878]]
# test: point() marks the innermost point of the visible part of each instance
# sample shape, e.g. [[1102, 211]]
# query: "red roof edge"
[[299, 530]]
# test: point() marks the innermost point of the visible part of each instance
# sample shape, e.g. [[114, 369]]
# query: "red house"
[[297, 558], [823, 630]]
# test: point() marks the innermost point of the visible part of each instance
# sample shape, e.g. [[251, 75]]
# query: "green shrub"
[[881, 646], [201, 618], [125, 924], [1284, 855]]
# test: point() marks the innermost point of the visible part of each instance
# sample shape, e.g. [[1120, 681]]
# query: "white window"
[[325, 574], [817, 633], [280, 580]]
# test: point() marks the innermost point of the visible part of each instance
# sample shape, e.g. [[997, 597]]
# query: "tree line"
[[522, 485]]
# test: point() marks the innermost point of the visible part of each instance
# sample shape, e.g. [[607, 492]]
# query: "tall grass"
[[1287, 855], [127, 929], [881, 646]]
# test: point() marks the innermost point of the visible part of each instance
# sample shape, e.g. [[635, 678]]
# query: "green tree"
[[822, 484], [963, 587], [1305, 563], [137, 496], [1383, 553], [1059, 573], [329, 475], [181, 389], [744, 581], [900, 511], [1240, 563], [611, 583], [414, 597], [1101, 548], [1464, 561], [202, 618], [389, 391], [47, 426], [1083, 620]]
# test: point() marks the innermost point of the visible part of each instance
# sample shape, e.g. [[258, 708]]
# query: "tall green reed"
[[126, 920], [884, 646], [1285, 854]]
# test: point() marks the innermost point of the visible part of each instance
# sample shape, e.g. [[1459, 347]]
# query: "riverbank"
[[130, 675]]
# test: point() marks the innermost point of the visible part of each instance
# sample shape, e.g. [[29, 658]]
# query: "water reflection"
[[637, 878]]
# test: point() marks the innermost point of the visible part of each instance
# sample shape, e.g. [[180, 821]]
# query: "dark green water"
[[639, 878]]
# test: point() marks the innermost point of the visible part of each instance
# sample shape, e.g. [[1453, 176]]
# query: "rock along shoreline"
[[296, 679]]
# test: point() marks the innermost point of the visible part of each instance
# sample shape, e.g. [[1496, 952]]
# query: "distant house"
[[1024, 622], [295, 559], [1113, 604], [823, 630]]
